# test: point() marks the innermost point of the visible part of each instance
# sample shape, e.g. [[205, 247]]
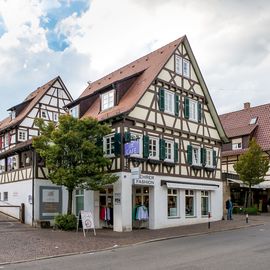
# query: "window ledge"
[[176, 217], [196, 167], [169, 163], [190, 216], [154, 161], [210, 169]]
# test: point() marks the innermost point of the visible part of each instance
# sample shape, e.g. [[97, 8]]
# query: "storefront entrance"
[[106, 207], [140, 207]]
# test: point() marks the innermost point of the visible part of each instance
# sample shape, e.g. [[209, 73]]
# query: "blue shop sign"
[[132, 147]]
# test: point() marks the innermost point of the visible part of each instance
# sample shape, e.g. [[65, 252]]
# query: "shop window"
[[173, 210], [108, 145], [79, 200], [205, 203], [107, 100], [190, 203], [5, 196]]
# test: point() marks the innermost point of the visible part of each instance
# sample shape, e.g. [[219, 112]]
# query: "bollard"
[[22, 213], [209, 216], [246, 218]]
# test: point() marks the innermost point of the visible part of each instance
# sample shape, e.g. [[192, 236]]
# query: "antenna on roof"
[[89, 82]]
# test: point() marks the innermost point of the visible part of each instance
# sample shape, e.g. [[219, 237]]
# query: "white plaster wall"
[[18, 193]]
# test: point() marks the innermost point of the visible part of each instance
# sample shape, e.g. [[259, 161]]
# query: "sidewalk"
[[31, 243]]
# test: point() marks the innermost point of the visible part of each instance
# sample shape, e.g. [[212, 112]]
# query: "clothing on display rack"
[[106, 214], [142, 213]]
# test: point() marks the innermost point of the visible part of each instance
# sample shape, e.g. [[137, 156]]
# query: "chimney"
[[246, 105]]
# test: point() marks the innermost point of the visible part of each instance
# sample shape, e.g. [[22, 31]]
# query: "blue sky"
[[82, 40]]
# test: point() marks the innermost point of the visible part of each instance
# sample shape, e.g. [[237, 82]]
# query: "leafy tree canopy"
[[73, 153], [252, 165]]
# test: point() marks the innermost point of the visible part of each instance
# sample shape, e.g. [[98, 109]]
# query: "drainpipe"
[[33, 186]]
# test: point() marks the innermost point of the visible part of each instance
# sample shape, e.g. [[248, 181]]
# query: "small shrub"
[[66, 222], [251, 210]]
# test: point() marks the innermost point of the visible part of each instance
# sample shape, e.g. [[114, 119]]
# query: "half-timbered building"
[[165, 145], [22, 171], [241, 126]]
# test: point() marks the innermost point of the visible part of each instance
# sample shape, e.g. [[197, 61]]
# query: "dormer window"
[[237, 144], [253, 120], [13, 114], [107, 100], [74, 111]]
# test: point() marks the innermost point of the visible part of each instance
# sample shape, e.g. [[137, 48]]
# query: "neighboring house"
[[241, 126], [165, 145], [22, 172]]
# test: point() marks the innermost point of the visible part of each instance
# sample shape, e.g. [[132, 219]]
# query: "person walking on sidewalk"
[[229, 207]]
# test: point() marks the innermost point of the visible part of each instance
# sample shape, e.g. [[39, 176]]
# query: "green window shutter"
[[161, 100], [189, 154], [127, 136], [161, 149], [186, 107], [199, 112], [214, 158], [117, 144], [176, 105], [145, 146], [176, 152], [203, 156]]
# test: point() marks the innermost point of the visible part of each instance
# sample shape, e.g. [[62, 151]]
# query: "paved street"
[[246, 248]]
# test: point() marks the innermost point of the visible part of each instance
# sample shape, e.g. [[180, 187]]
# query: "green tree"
[[73, 153], [252, 167]]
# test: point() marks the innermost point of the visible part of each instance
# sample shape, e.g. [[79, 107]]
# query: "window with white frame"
[[74, 111], [7, 140], [169, 151], [173, 208], [193, 110], [196, 155], [12, 163], [44, 114], [209, 158], [153, 148], [13, 114], [108, 145], [205, 203], [169, 102], [107, 100], [186, 68], [190, 203], [55, 116], [2, 165], [22, 135], [178, 64], [237, 144]]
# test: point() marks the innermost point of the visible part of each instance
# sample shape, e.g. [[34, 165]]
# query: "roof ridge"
[[251, 108], [131, 64]]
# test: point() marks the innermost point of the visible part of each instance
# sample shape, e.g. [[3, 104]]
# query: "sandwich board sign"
[[87, 221]]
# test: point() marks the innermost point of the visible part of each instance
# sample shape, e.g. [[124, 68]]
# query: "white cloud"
[[230, 40]]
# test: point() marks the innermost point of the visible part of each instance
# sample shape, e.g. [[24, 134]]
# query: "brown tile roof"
[[149, 66], [240, 120], [33, 98], [233, 152], [145, 70], [240, 131]]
